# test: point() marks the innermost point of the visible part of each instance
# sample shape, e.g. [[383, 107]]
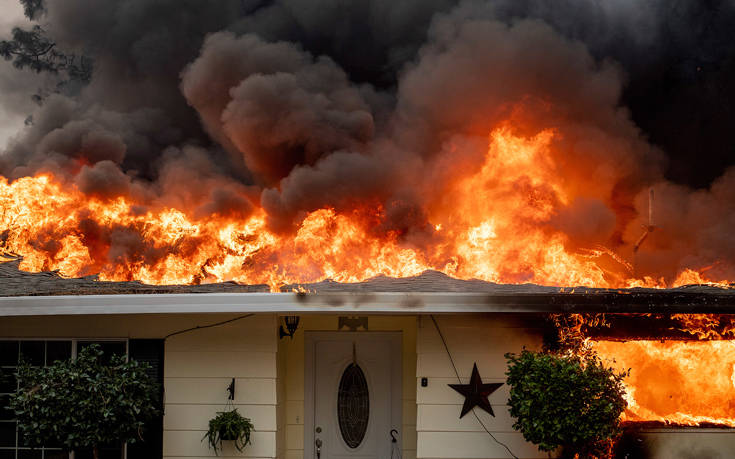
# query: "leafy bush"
[[86, 402], [565, 401], [228, 425]]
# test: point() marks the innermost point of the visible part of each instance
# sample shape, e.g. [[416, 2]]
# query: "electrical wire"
[[395, 451], [202, 327], [449, 354]]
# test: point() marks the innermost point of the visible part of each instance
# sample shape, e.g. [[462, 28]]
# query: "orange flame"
[[706, 326], [676, 382], [492, 225]]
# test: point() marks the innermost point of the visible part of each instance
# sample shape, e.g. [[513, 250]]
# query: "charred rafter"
[[658, 327]]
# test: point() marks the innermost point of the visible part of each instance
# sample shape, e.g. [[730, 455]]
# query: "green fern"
[[228, 426]]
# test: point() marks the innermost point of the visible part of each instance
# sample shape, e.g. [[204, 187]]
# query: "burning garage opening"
[[363, 166], [681, 373]]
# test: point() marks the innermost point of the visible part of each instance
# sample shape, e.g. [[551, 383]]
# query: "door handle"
[[318, 444]]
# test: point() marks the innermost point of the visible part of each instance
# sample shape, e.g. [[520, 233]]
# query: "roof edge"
[[366, 303]]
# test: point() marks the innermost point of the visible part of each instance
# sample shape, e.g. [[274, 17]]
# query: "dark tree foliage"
[[33, 8], [33, 49], [565, 401], [86, 402]]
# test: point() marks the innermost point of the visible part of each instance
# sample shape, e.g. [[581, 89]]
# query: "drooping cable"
[[202, 327], [459, 380], [395, 450]]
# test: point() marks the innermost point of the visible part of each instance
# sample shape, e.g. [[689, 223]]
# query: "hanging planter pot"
[[227, 435], [228, 426]]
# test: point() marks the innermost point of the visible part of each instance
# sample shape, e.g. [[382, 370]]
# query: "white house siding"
[[481, 339], [281, 368], [198, 367]]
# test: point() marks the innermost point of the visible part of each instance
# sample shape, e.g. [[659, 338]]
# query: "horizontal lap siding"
[[200, 364], [187, 443], [209, 391], [471, 339], [281, 402]]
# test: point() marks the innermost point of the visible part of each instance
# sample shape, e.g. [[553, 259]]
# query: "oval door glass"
[[353, 405]]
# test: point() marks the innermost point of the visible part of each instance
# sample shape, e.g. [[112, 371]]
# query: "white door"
[[353, 398]]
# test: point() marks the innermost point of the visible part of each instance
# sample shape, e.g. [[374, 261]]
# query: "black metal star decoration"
[[476, 393]]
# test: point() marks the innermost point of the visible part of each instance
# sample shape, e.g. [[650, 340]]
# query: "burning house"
[[263, 195], [413, 337]]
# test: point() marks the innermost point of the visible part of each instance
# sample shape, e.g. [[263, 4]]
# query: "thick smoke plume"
[[223, 108]]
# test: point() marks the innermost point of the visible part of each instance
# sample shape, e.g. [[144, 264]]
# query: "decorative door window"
[[353, 405]]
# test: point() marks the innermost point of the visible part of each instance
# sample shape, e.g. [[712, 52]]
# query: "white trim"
[[282, 303]]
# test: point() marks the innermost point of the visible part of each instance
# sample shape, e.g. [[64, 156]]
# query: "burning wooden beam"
[[648, 229]]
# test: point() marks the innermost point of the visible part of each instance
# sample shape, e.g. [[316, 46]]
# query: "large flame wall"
[[494, 223], [676, 382]]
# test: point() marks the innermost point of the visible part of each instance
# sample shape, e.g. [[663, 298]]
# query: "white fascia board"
[[281, 303]]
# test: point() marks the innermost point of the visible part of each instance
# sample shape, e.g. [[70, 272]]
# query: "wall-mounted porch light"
[[292, 323]]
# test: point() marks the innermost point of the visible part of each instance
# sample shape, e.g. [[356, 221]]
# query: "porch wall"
[[294, 378], [481, 339], [281, 400], [198, 367]]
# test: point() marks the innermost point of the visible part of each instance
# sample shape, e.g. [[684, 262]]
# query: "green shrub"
[[85, 402], [565, 401]]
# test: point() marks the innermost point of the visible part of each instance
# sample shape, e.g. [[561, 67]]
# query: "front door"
[[353, 394]]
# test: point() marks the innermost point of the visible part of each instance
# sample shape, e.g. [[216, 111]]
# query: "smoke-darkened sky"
[[677, 58]]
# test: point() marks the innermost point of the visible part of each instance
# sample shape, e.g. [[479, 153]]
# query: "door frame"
[[395, 340]]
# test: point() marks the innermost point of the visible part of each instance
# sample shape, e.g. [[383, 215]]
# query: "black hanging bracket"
[[231, 390], [292, 323]]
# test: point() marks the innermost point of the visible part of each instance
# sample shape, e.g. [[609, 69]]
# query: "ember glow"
[[493, 225], [676, 382]]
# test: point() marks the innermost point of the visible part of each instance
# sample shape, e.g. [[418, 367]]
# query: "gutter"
[[666, 302]]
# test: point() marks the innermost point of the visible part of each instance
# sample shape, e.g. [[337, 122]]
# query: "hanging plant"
[[228, 426]]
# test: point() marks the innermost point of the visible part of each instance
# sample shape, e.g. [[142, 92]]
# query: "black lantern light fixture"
[[292, 323]]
